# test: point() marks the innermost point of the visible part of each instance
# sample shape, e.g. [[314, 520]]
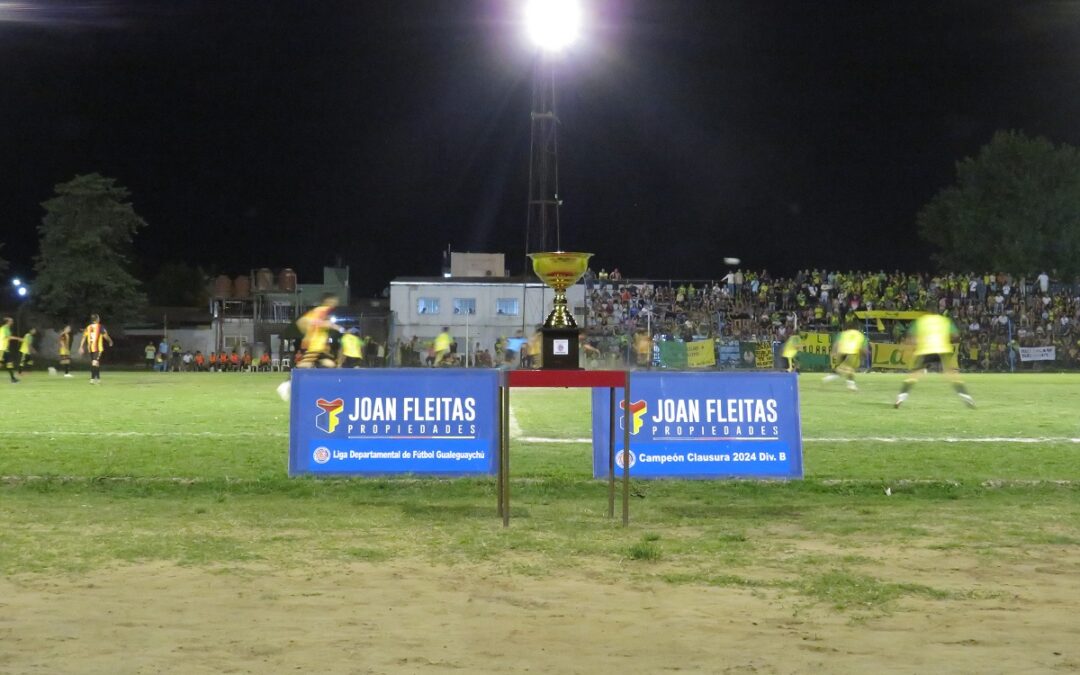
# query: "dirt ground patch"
[[404, 616]]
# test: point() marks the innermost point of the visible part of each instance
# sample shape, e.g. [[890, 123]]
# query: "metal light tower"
[[552, 26], [542, 224]]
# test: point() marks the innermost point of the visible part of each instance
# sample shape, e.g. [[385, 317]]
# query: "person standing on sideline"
[[177, 356], [848, 348], [148, 353], [93, 340], [933, 336], [7, 354], [64, 350]]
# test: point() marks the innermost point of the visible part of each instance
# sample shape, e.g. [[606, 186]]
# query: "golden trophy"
[[560, 270]]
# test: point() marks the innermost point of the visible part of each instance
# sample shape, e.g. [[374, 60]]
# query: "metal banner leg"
[[611, 456], [501, 416], [506, 458], [626, 453]]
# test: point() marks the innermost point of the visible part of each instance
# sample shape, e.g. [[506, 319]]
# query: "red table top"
[[566, 378]]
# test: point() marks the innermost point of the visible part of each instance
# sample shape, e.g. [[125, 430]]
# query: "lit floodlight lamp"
[[16, 282], [553, 24], [22, 291]]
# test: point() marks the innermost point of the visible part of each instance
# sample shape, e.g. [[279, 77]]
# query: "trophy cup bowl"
[[560, 270]]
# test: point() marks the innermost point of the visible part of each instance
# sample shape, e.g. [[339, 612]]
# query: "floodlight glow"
[[22, 291], [16, 282], [553, 24]]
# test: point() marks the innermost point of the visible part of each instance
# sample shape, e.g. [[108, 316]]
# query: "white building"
[[476, 310]]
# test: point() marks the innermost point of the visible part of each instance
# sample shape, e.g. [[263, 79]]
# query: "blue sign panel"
[[704, 425], [390, 421]]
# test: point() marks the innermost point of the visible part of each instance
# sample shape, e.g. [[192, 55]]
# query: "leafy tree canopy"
[[82, 267], [1015, 207], [178, 285]]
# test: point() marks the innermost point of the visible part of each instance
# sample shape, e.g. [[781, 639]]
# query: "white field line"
[[511, 421], [516, 433]]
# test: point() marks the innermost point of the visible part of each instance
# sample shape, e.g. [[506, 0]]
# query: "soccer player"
[[93, 340], [7, 354], [26, 350], [933, 337], [351, 349], [442, 345], [791, 350], [64, 350], [848, 348], [316, 325]]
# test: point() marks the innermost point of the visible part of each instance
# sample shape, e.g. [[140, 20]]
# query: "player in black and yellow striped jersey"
[[63, 350], [933, 337], [7, 353], [93, 340]]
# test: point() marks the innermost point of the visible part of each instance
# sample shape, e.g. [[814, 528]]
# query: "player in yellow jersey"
[[790, 351], [849, 347], [351, 349], [7, 353], [933, 335], [93, 340], [64, 350], [26, 350], [441, 345], [316, 326]]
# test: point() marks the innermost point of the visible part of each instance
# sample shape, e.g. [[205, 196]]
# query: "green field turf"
[[191, 468]]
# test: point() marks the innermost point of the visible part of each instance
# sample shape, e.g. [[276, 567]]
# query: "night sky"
[[789, 134]]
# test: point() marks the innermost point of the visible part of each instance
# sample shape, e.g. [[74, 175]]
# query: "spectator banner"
[[815, 343], [673, 354], [701, 354], [393, 421], [728, 355], [890, 356], [1038, 353], [704, 425], [764, 357]]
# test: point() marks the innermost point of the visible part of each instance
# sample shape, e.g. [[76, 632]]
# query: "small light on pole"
[[16, 282], [22, 291]]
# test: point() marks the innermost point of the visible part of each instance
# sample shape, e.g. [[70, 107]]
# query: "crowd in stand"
[[995, 313]]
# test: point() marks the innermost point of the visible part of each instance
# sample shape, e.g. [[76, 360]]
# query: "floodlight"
[[553, 24], [22, 291], [16, 282]]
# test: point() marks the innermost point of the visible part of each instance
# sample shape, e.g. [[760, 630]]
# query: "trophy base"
[[560, 349]]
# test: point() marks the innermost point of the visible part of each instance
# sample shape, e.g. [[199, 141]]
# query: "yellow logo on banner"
[[890, 356], [701, 354]]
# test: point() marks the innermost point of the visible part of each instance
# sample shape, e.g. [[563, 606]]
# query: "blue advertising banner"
[[393, 421], [704, 425]]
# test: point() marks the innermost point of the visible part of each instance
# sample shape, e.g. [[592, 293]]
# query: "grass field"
[[147, 525]]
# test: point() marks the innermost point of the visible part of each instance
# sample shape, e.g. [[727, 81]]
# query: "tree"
[[1015, 207], [86, 236], [178, 285], [3, 263]]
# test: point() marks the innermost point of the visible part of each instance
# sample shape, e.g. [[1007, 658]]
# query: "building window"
[[427, 306], [507, 307], [464, 305]]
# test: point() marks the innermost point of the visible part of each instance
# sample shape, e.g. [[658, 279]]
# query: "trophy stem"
[[560, 316]]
